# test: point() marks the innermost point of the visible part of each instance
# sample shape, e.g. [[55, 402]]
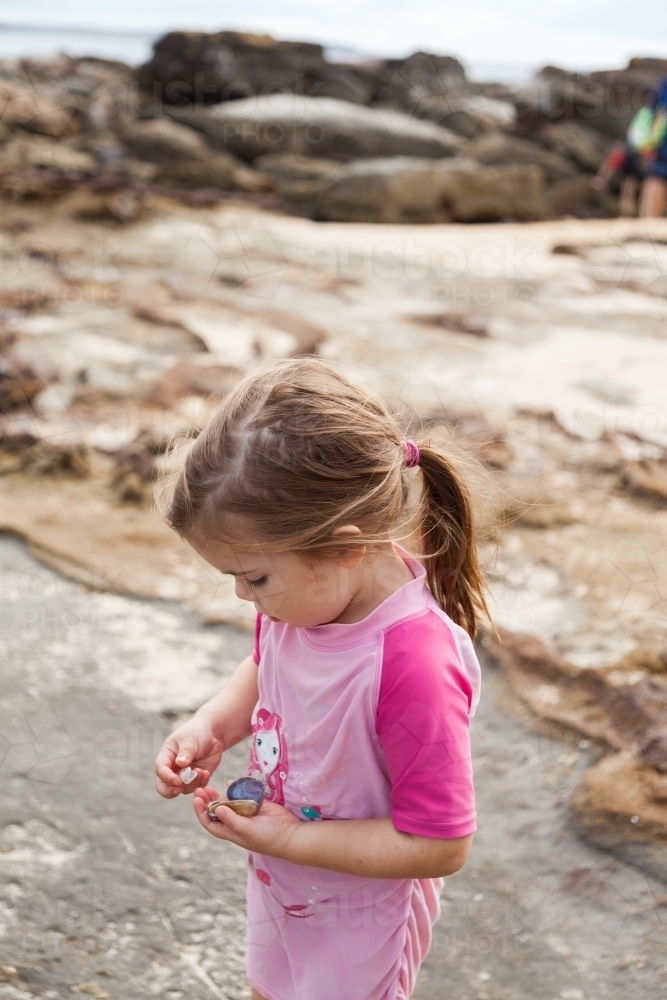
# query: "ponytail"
[[447, 523]]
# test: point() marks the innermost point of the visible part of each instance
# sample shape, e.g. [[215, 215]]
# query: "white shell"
[[188, 775]]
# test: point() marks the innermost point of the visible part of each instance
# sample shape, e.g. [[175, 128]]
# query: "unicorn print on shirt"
[[268, 754]]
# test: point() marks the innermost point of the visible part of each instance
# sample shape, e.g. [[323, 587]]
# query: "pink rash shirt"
[[355, 722]]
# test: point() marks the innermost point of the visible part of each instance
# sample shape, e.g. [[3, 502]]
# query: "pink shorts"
[[366, 944]]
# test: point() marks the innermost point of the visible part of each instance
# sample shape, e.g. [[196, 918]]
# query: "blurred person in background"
[[627, 162], [654, 187]]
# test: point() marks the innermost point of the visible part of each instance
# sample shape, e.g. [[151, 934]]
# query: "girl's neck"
[[381, 573]]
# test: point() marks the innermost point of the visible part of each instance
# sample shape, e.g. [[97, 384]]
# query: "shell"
[[188, 775], [246, 788], [244, 807]]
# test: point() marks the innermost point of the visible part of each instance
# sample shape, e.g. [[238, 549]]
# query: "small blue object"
[[311, 812], [246, 788]]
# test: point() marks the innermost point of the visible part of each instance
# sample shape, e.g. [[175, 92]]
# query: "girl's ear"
[[349, 556]]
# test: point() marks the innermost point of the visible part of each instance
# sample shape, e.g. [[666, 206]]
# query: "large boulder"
[[406, 189], [192, 67], [183, 157], [319, 126]]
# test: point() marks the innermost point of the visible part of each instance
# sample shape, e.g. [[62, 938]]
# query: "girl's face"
[[267, 748], [283, 585]]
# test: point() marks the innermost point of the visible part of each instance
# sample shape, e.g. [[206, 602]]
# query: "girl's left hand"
[[269, 832]]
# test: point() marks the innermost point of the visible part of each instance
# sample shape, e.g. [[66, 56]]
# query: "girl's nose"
[[242, 590]]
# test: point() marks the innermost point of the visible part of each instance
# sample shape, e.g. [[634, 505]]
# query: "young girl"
[[362, 682]]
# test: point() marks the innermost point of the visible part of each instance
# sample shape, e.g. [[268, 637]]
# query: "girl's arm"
[[373, 848], [220, 723], [229, 711]]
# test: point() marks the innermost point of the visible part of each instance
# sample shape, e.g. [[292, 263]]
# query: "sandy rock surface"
[[110, 891]]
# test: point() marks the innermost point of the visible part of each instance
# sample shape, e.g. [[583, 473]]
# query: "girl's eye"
[[259, 742], [275, 751], [256, 583]]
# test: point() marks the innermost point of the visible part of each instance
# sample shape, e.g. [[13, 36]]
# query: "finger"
[[238, 827], [187, 751], [213, 826], [164, 765], [166, 791]]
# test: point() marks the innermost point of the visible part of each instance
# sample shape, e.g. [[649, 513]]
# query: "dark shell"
[[246, 788]]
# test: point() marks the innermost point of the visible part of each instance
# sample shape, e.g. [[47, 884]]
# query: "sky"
[[576, 34]]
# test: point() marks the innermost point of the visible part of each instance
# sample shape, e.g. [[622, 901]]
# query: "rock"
[[469, 115], [22, 375], [183, 158], [118, 206], [21, 104], [319, 126], [422, 75], [619, 806], [452, 321], [292, 167], [497, 149], [186, 378], [647, 479], [27, 152], [620, 705], [604, 101], [576, 196], [114, 546], [193, 67], [583, 145], [472, 432], [405, 189]]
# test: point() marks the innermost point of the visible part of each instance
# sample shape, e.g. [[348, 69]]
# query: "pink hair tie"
[[411, 454]]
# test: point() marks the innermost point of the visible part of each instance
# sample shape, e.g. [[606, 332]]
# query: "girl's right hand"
[[193, 744]]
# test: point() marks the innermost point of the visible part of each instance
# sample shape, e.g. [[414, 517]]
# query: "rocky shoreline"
[[211, 117], [147, 265]]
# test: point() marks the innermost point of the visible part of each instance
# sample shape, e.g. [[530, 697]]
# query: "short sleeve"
[[422, 721], [255, 649]]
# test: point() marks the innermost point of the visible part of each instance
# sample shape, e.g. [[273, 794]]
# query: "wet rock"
[[320, 126], [403, 189], [618, 805]]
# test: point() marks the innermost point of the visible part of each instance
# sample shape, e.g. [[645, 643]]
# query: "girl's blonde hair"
[[297, 451]]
